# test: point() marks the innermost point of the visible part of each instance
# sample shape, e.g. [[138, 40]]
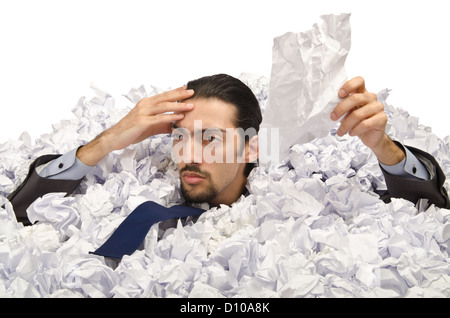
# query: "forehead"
[[213, 112]]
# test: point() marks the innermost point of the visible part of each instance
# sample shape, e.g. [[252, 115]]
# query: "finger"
[[155, 125], [174, 95], [162, 124], [352, 102], [166, 118], [169, 120], [355, 85], [377, 122], [356, 116], [166, 107]]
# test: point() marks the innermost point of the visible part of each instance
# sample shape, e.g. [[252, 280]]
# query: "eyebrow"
[[174, 126]]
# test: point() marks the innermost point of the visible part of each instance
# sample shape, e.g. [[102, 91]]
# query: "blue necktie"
[[132, 231]]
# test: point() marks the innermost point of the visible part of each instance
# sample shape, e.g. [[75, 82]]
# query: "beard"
[[191, 193]]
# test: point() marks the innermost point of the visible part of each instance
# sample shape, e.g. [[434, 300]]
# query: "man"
[[219, 102]]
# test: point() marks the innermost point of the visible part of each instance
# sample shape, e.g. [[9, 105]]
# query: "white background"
[[52, 50]]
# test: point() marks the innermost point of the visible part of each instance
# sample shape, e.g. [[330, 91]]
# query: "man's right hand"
[[146, 119]]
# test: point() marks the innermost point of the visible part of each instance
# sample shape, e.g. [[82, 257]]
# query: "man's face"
[[206, 159]]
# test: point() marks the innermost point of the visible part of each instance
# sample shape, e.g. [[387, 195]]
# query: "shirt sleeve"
[[66, 167], [410, 168]]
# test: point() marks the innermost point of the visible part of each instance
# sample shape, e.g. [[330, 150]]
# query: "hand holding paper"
[[308, 93], [366, 119], [307, 73]]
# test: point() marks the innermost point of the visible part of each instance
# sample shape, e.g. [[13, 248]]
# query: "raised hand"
[[364, 116], [151, 116]]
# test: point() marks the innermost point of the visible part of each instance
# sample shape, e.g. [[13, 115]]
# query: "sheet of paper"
[[307, 73]]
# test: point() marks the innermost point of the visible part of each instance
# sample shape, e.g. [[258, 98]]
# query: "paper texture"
[[307, 73]]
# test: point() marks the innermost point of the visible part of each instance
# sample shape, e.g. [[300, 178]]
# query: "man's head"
[[216, 142]]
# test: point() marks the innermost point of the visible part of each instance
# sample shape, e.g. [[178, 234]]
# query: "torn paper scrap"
[[307, 73]]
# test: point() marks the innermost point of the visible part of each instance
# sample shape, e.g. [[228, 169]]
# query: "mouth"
[[192, 178]]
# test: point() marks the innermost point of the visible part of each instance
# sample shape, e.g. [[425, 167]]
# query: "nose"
[[196, 151], [188, 151]]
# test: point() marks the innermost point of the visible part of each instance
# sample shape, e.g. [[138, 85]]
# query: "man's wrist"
[[91, 153], [388, 152]]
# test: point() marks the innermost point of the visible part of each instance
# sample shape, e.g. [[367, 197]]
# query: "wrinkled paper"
[[307, 73]]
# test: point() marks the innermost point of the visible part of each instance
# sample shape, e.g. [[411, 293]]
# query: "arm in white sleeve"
[[410, 168], [66, 167]]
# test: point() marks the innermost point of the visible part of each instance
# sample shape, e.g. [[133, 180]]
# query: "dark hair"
[[231, 90]]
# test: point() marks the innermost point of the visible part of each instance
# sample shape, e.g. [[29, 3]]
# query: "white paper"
[[307, 73]]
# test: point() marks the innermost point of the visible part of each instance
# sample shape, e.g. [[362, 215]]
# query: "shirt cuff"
[[410, 167], [66, 167]]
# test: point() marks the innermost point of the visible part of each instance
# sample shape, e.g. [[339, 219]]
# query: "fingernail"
[[189, 105], [342, 92], [333, 116]]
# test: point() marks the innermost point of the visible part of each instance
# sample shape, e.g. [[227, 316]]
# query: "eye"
[[209, 138], [179, 134]]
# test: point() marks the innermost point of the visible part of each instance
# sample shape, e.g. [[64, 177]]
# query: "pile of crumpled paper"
[[312, 225]]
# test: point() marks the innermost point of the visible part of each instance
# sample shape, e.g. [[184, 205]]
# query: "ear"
[[252, 150]]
